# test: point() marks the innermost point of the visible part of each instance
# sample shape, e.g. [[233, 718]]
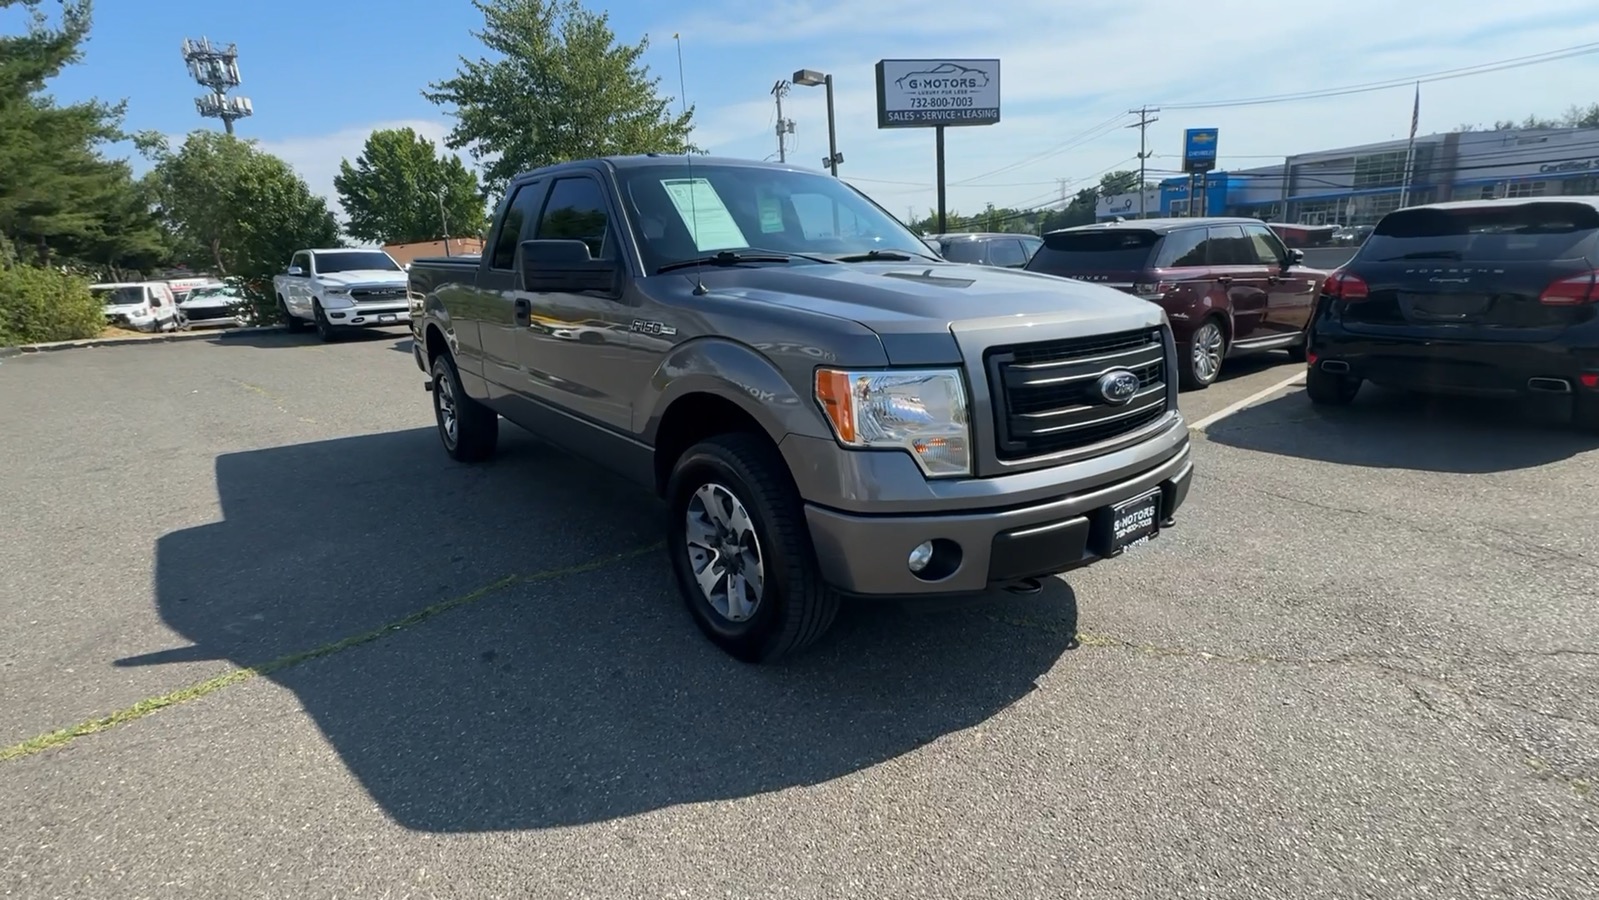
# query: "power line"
[[1092, 134], [1407, 81]]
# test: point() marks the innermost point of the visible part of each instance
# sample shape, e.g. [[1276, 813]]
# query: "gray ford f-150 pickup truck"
[[827, 408]]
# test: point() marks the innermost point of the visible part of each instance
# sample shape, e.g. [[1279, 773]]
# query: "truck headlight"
[[336, 298], [922, 411]]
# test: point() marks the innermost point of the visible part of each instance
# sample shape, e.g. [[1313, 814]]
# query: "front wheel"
[[1207, 349], [324, 328], [469, 430], [743, 558]]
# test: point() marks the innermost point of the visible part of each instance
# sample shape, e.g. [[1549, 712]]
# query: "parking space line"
[[1252, 399], [63, 736]]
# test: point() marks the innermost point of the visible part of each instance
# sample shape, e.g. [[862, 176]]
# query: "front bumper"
[[1470, 368], [864, 554], [386, 316]]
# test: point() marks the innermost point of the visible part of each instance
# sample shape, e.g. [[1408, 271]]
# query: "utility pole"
[[785, 127], [1143, 123], [1061, 183]]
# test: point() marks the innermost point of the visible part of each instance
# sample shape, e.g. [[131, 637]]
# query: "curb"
[[223, 334]]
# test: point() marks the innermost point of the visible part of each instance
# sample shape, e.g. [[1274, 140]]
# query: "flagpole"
[[1410, 149]]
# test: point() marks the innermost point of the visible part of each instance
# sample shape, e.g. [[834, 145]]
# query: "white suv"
[[141, 305]]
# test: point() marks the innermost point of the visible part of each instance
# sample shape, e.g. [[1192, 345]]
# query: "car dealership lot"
[[1367, 661]]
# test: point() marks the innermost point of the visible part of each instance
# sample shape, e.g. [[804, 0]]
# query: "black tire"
[[1585, 414], [795, 606], [324, 328], [1196, 375], [476, 428], [1327, 389], [293, 324], [1298, 352]]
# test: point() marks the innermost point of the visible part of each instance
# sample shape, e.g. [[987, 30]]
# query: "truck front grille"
[[375, 295], [1046, 396]]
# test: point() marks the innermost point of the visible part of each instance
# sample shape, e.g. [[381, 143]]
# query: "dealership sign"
[[921, 93], [1199, 149]]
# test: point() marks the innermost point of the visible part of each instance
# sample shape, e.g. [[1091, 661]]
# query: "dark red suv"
[[1229, 286]]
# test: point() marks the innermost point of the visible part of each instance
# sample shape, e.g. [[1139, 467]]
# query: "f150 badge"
[[646, 326]]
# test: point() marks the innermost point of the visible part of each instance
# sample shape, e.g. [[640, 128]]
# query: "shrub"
[[39, 304]]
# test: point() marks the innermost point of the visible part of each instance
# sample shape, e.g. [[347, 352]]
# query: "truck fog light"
[[921, 555]]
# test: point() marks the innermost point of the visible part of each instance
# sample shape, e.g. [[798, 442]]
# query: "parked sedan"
[[1488, 298]]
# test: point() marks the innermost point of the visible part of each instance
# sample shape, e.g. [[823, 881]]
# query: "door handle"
[[524, 311], [1224, 279]]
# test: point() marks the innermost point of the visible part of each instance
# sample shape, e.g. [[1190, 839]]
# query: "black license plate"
[[1134, 521], [1445, 307]]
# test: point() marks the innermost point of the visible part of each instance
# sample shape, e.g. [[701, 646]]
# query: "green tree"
[[235, 209], [400, 189], [1573, 117], [561, 88], [60, 199]]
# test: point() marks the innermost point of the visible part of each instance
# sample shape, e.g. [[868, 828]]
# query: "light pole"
[[813, 78]]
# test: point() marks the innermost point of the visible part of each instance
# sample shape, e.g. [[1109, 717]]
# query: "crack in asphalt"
[[150, 705], [1385, 663]]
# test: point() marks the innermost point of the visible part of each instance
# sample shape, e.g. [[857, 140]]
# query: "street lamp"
[[813, 78]]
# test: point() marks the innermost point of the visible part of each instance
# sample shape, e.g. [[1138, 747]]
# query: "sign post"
[[1199, 159], [937, 93]]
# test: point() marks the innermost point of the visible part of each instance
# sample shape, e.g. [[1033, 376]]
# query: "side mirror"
[[564, 267], [295, 270], [1295, 256]]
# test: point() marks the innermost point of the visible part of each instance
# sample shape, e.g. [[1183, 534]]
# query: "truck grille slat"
[[1045, 399]]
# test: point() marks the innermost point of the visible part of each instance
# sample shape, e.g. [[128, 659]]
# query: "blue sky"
[[323, 74]]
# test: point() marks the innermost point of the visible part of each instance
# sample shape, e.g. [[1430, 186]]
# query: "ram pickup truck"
[[827, 409], [336, 290]]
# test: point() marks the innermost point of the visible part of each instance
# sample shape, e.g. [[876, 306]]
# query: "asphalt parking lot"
[[259, 637]]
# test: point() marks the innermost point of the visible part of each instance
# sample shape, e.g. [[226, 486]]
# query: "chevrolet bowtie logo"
[[1203, 138]]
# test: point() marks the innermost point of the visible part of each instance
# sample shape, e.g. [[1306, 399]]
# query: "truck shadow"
[[561, 700], [1401, 430], [279, 337]]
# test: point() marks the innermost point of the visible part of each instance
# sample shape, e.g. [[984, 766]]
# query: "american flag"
[[1415, 112]]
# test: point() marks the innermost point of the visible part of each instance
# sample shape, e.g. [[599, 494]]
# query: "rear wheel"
[[1206, 350], [469, 430], [1297, 353], [1585, 414], [1327, 389], [743, 558], [290, 322]]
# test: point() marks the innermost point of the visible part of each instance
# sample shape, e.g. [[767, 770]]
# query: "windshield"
[[200, 293], [122, 296], [1520, 231], [352, 261], [753, 207], [1083, 251], [963, 251]]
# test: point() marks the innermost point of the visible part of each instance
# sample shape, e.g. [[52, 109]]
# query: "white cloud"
[[1070, 66], [316, 157], [1067, 67]]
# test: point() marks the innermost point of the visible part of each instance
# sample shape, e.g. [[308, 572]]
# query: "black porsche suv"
[[1492, 298]]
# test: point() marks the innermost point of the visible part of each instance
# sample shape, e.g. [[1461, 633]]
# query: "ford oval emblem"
[[1118, 386]]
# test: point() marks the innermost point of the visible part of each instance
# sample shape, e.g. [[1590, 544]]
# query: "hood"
[[911, 296], [363, 277]]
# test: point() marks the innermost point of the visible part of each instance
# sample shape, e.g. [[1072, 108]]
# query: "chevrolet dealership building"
[[1359, 185]]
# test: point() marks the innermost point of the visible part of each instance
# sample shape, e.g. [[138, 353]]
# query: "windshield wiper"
[[727, 258], [881, 255], [1424, 254]]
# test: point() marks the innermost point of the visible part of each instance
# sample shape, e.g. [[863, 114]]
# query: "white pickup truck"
[[338, 289]]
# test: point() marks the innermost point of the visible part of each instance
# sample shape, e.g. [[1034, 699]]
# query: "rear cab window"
[[1122, 249], [963, 251], [1509, 233]]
